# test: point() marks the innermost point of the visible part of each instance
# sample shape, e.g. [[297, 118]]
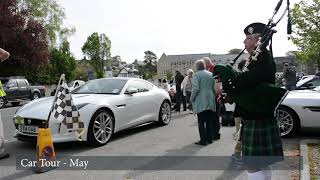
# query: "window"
[[22, 83], [12, 83], [139, 85], [315, 82], [101, 86]]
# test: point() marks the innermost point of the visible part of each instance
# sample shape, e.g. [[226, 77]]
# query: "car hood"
[[39, 108]]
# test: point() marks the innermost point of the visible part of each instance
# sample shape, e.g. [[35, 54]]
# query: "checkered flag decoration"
[[65, 112]]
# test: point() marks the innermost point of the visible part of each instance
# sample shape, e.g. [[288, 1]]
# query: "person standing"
[[203, 102], [216, 122], [289, 75], [209, 64], [3, 154], [261, 144], [187, 88], [179, 96]]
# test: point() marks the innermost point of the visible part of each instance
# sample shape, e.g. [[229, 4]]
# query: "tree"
[[97, 48], [62, 62], [169, 76], [306, 21], [24, 37], [49, 13], [151, 64], [235, 51]]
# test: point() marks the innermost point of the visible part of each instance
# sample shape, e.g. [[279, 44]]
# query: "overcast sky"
[[171, 26]]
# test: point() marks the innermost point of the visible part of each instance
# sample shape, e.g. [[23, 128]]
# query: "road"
[[176, 139]]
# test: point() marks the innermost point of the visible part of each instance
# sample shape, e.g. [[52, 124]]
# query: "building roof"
[[183, 57], [216, 58], [225, 58], [283, 59]]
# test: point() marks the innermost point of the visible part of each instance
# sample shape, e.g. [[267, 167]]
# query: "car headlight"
[[18, 120]]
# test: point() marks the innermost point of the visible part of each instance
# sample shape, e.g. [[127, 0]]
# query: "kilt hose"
[[261, 143]]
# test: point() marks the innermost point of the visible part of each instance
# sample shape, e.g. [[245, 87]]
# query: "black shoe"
[[4, 155], [209, 142], [201, 143]]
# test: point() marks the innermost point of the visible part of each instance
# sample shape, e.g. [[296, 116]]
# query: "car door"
[[24, 91], [311, 113], [138, 108], [12, 89]]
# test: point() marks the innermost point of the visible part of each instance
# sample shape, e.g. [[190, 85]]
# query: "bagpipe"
[[264, 98]]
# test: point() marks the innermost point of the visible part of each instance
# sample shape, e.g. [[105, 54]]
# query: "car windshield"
[[303, 81], [101, 86]]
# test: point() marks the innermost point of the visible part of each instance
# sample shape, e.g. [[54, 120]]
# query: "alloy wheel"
[[285, 121], [102, 127], [165, 113], [1, 102]]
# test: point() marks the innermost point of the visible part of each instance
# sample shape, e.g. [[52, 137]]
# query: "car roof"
[[123, 78], [303, 81]]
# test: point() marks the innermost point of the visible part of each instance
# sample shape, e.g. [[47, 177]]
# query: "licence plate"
[[28, 129]]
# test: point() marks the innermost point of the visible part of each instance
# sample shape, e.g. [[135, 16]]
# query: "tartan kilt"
[[261, 142]]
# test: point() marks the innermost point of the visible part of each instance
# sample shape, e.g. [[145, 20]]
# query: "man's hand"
[[3, 55]]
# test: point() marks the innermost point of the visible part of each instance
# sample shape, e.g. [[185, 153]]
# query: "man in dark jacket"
[[261, 144], [179, 95], [289, 75]]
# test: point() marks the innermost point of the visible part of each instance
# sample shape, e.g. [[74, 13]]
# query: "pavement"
[[176, 139]]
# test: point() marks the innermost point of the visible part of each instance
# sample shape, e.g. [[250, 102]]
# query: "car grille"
[[33, 122]]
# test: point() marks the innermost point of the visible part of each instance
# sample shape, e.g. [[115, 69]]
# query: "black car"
[[19, 90]]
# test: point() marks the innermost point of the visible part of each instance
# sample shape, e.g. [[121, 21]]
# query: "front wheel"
[[2, 102], [288, 121], [164, 113], [35, 96], [101, 128]]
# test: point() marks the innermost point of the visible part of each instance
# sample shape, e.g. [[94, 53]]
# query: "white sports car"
[[106, 106], [300, 109]]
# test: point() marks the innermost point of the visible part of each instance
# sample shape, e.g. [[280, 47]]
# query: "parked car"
[[74, 84], [299, 109], [19, 90], [308, 82], [106, 106], [71, 85]]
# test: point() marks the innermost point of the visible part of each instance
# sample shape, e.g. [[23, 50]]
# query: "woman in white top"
[[186, 86]]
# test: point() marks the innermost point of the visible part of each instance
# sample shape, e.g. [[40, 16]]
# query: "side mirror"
[[131, 90]]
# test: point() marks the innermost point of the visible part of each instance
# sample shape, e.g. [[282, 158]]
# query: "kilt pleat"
[[261, 139]]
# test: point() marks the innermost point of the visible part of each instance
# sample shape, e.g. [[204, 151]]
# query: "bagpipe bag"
[[261, 99]]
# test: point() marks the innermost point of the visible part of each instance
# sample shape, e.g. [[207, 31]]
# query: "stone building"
[[167, 64]]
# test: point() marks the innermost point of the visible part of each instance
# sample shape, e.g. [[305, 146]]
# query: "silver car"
[[300, 109], [106, 106]]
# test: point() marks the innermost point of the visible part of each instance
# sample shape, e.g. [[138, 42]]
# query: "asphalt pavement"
[[176, 139]]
